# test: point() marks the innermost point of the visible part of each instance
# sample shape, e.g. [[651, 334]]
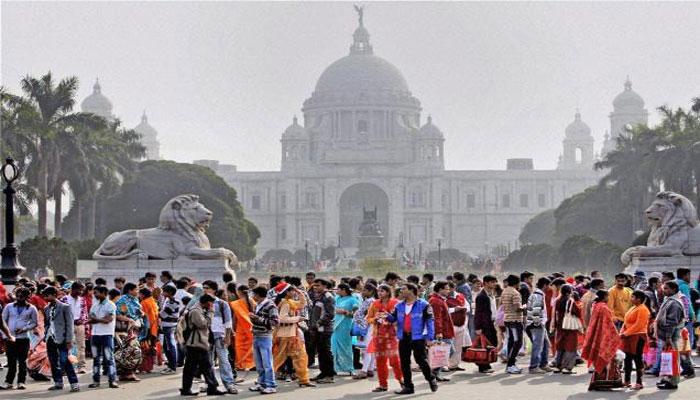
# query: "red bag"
[[481, 352]]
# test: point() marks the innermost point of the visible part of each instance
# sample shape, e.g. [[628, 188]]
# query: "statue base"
[[661, 264], [133, 269], [370, 247]]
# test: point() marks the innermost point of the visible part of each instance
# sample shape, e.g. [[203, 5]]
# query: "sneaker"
[[513, 370], [538, 371], [546, 368], [20, 386], [404, 390], [167, 371], [74, 388], [232, 389], [433, 385], [268, 390], [55, 387], [255, 388], [6, 386], [94, 385]]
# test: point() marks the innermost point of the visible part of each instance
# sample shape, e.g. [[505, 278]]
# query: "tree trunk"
[[90, 218], [41, 199], [58, 209], [78, 218]]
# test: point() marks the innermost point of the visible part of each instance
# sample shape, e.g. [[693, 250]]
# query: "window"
[[524, 200], [255, 202], [311, 200], [471, 200], [361, 126], [283, 201], [283, 234], [541, 200], [505, 202], [417, 198]]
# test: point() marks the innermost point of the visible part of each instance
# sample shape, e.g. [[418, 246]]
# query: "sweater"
[[636, 321], [671, 317], [266, 318], [512, 301], [441, 313], [198, 322]]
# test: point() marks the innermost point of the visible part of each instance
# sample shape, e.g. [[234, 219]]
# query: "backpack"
[[183, 331]]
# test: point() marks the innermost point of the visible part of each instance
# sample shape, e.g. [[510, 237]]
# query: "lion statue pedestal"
[[674, 240], [178, 244]]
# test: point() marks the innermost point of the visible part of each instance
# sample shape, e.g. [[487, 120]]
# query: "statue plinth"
[[370, 239], [133, 269]]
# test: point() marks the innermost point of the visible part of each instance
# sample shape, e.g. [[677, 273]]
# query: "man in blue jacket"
[[415, 331]]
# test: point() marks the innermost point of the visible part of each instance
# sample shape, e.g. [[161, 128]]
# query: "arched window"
[[579, 155]]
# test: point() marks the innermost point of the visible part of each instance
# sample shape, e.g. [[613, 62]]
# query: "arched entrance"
[[350, 206]]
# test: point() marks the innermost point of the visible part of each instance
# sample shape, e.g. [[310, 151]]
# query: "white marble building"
[[361, 141], [98, 104]]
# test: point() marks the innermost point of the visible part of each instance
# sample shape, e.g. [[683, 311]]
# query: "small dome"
[[429, 130], [97, 103], [578, 128], [144, 129], [628, 98], [295, 131]]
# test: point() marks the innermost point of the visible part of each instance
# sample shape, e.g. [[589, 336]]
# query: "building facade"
[[362, 142]]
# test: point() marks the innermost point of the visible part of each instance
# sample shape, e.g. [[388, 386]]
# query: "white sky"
[[223, 80]]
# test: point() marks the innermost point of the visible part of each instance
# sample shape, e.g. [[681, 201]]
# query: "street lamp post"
[[439, 253], [10, 268], [306, 254]]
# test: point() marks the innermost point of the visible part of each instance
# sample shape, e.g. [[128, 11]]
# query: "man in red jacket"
[[444, 330]]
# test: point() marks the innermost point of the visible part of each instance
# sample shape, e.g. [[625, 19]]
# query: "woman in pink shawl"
[[601, 344]]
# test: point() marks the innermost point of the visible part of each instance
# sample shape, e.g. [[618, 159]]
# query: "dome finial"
[[360, 43], [96, 88], [144, 118], [295, 121], [628, 83], [577, 116]]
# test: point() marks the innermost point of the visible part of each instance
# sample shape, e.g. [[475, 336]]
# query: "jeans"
[[262, 351], [420, 354], [540, 347], [321, 341], [515, 340], [197, 363], [221, 351], [103, 356], [17, 356], [170, 347], [58, 358]]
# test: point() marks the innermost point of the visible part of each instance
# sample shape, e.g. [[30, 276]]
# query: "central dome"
[[361, 72]]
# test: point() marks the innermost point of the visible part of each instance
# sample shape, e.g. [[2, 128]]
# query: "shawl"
[[602, 339], [129, 306], [150, 309]]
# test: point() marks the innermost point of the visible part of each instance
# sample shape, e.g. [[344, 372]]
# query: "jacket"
[[483, 313], [267, 318], [322, 313], [441, 315], [422, 322], [536, 310], [198, 322], [59, 322], [671, 317]]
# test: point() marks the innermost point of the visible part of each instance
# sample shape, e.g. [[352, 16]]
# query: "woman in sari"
[[566, 339], [148, 344], [384, 344], [601, 344], [341, 341], [129, 330], [243, 339]]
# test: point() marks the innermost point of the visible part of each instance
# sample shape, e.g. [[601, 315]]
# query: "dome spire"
[[628, 83], [144, 118], [360, 43], [96, 88]]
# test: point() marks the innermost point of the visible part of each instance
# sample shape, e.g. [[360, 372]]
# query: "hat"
[[282, 287], [639, 274]]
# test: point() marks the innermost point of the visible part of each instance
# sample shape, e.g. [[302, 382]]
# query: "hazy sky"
[[223, 80]]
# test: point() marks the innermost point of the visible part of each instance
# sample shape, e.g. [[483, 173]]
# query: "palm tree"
[[53, 103]]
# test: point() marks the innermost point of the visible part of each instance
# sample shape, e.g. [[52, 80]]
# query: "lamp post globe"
[[10, 268]]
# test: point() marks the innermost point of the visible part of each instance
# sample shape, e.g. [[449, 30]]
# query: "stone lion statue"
[[674, 229], [180, 234]]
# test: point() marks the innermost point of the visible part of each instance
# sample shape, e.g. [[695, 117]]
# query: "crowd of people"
[[286, 327]]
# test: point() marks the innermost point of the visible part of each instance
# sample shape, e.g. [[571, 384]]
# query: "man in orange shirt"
[[619, 299]]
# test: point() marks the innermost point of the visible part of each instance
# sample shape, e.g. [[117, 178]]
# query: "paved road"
[[464, 385]]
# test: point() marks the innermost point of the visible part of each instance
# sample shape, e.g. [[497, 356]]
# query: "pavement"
[[467, 384]]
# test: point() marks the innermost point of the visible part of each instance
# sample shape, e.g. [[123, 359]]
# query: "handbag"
[[439, 355], [481, 352], [358, 330], [570, 321]]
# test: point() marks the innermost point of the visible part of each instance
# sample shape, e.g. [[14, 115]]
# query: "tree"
[[138, 201], [40, 254], [539, 230]]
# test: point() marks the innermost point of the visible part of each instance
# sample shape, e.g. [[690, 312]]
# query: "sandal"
[[638, 386]]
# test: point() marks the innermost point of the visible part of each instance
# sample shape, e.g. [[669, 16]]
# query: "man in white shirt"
[[102, 318], [221, 329]]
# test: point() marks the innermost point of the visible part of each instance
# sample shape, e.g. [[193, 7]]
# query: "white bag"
[[439, 355], [571, 322]]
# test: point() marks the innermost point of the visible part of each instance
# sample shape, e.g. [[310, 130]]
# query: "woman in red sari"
[[384, 343], [601, 344], [566, 340]]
